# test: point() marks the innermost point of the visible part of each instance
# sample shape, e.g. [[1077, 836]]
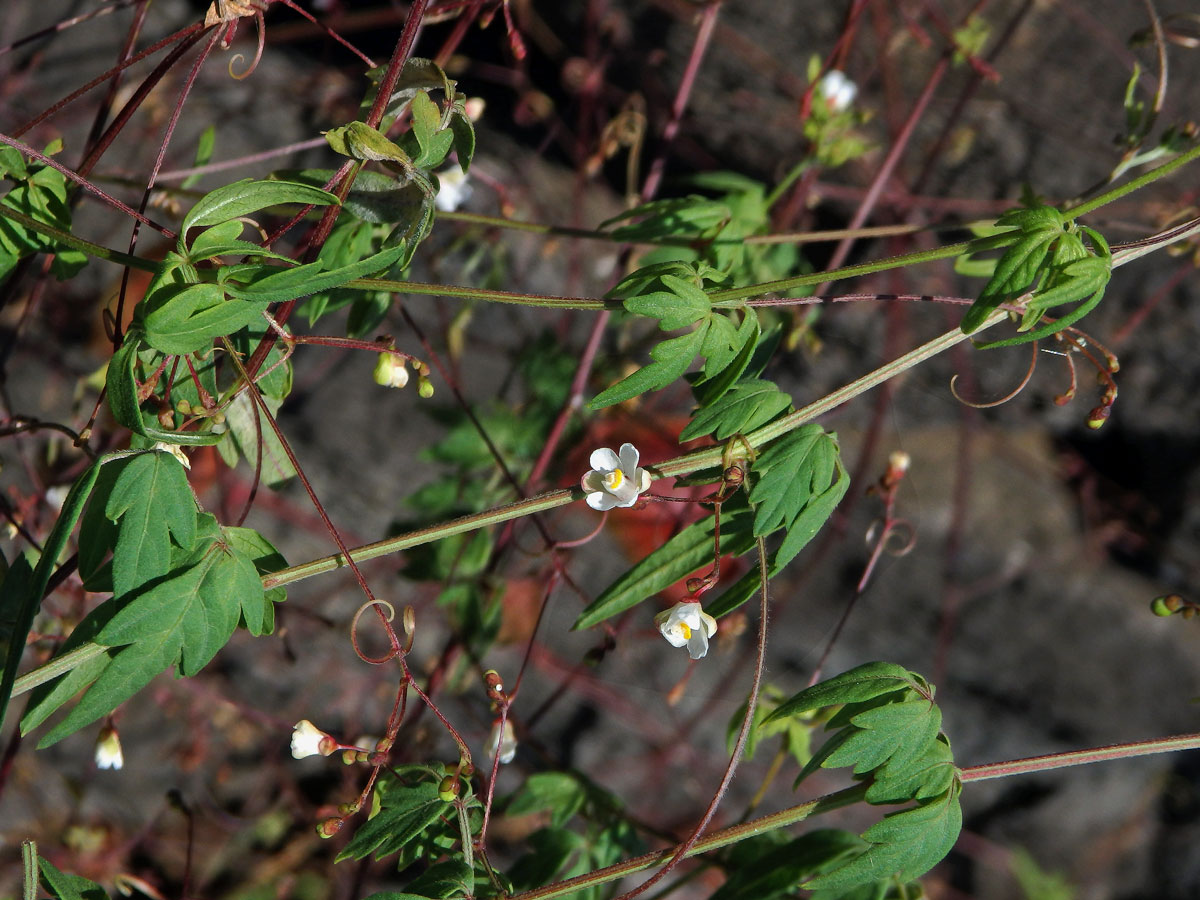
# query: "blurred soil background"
[[1039, 543]]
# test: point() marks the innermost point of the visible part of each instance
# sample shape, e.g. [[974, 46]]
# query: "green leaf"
[[449, 878], [22, 590], [1037, 229], [558, 792], [434, 140], [249, 196], [66, 886], [183, 620], [680, 556], [674, 217], [865, 682], [205, 145], [224, 240], [780, 870], [674, 310], [275, 285], [464, 136], [783, 476], [817, 511], [247, 436], [151, 502], [671, 359], [181, 319], [915, 779], [551, 850], [258, 613], [904, 845], [896, 733], [408, 811], [746, 406]]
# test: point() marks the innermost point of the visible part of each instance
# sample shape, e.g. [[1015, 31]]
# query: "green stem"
[[714, 841], [1082, 209], [1080, 757], [60, 665], [69, 240]]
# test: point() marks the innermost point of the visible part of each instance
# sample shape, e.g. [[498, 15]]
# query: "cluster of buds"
[[390, 372], [1171, 604]]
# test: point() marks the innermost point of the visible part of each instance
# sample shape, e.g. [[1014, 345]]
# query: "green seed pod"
[[449, 788]]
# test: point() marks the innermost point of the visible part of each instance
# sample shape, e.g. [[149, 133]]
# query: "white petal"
[[625, 494], [601, 501], [710, 624], [592, 481], [698, 643], [629, 459], [604, 460], [642, 480]]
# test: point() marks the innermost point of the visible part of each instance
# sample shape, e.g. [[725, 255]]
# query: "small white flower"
[[502, 742], [614, 480], [175, 450], [56, 496], [686, 624], [309, 740], [108, 749], [390, 370], [453, 190], [838, 90]]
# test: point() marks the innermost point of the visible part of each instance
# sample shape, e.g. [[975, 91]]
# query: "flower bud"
[[1166, 605], [1098, 416], [424, 387], [330, 826], [495, 686], [390, 371], [449, 788]]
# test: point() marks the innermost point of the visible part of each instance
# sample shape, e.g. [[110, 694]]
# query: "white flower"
[[390, 371], [453, 190], [502, 741], [309, 740], [614, 480], [838, 90], [687, 624], [108, 749]]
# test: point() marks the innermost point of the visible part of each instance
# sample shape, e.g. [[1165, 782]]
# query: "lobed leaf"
[[746, 406], [671, 359], [865, 682], [407, 811]]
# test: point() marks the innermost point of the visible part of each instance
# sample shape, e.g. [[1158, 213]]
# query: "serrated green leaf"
[[916, 779], [224, 240], [182, 620], [692, 216], [680, 556], [904, 845], [671, 359], [409, 810], [865, 682], [22, 590], [258, 612], [205, 145], [783, 477], [895, 733], [249, 196], [464, 137], [746, 406], [817, 511], [151, 503], [673, 310], [708, 388]]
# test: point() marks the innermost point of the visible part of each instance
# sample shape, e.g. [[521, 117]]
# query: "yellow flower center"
[[614, 480], [685, 631]]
